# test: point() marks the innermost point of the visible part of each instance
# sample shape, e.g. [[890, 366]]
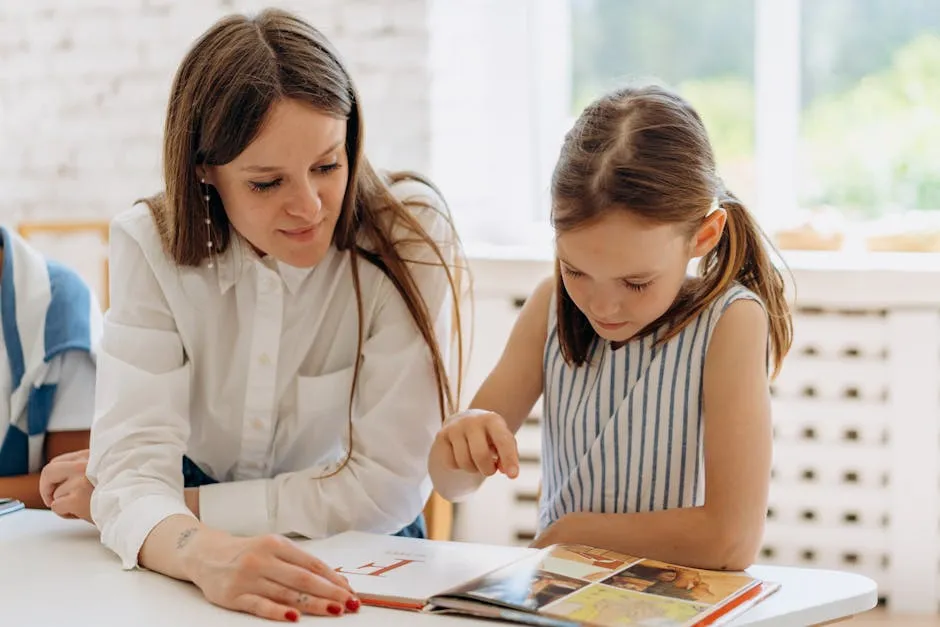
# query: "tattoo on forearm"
[[185, 537]]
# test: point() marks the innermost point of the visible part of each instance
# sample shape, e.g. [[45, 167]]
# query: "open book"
[[561, 586]]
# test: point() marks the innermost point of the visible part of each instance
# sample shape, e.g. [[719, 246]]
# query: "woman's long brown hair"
[[222, 92], [645, 151]]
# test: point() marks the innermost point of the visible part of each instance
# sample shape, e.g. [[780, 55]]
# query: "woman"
[[280, 324]]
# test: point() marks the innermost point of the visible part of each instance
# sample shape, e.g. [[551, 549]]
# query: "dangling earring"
[[205, 197]]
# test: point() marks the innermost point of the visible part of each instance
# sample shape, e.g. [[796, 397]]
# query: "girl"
[[652, 380], [279, 327]]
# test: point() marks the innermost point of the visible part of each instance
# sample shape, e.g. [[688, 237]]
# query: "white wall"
[[83, 88]]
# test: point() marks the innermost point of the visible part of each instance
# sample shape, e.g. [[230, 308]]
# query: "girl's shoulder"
[[735, 292], [738, 314]]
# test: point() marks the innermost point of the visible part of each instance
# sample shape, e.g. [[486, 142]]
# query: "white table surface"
[[55, 572]]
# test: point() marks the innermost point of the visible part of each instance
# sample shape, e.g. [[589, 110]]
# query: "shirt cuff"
[[240, 508], [137, 519]]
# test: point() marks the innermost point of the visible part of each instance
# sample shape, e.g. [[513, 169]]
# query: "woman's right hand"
[[268, 576], [478, 441]]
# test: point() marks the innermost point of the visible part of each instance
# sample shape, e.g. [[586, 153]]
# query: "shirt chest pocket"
[[323, 409]]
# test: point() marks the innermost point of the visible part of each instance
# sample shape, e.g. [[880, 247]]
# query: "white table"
[[55, 572]]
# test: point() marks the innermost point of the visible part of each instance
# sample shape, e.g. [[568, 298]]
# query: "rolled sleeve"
[[141, 423], [240, 508]]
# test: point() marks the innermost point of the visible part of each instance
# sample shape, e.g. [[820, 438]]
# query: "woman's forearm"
[[168, 547]]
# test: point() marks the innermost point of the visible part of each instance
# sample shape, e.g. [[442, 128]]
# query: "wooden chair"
[[33, 230], [439, 517]]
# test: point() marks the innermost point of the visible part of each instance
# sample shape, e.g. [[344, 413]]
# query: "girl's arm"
[[726, 532], [497, 411]]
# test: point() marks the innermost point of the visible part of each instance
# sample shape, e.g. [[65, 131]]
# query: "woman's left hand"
[[64, 487]]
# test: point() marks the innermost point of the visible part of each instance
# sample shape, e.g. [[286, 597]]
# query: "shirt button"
[[264, 360], [257, 423]]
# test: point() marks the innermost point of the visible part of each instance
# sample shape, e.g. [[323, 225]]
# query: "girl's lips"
[[610, 326]]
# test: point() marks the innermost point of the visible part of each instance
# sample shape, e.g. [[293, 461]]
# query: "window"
[[823, 113], [870, 106]]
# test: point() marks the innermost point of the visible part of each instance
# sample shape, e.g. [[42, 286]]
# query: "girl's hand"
[[478, 441], [268, 576]]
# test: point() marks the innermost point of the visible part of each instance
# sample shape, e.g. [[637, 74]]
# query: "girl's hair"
[[220, 96], [646, 151]]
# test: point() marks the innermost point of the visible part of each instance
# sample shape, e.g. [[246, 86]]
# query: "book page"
[[407, 568]]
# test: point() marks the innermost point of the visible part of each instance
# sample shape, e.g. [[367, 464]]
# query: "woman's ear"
[[709, 233], [204, 174]]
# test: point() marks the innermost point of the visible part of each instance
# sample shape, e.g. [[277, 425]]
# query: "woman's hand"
[[64, 488], [478, 441], [268, 576]]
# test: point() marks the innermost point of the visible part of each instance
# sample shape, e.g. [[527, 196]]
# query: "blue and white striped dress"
[[624, 433]]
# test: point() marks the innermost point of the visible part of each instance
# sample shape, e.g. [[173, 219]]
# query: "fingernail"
[[335, 609], [292, 616], [352, 604], [513, 471]]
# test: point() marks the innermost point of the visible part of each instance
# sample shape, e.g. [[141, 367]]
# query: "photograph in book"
[[586, 562], [602, 605], [687, 584], [522, 587]]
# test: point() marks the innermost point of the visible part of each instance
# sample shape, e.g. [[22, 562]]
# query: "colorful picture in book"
[[548, 587], [585, 562], [531, 589], [708, 587], [600, 605]]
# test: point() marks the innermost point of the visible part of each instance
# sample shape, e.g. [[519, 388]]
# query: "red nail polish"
[[335, 609], [352, 605], [292, 616]]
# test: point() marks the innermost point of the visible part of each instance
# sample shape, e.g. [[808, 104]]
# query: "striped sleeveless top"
[[623, 434]]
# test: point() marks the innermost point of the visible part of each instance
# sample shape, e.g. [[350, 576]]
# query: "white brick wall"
[[83, 88]]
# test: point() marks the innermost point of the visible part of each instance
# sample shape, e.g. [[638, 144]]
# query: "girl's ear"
[[708, 235]]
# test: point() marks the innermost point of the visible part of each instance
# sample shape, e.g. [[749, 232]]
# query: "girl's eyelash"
[[264, 186], [637, 287]]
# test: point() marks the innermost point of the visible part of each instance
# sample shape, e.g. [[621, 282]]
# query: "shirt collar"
[[232, 263]]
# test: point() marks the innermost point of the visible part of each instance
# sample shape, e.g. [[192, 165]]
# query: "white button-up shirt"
[[246, 368]]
